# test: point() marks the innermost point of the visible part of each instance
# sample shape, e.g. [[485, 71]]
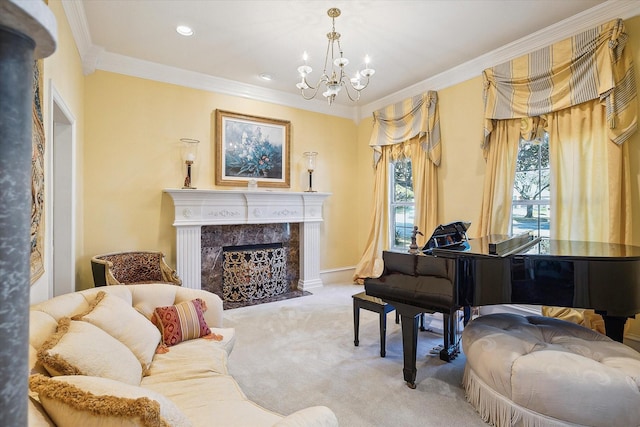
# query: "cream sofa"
[[108, 369]]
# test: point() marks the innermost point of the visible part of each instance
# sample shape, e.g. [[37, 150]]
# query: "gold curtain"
[[591, 65], [588, 77], [501, 156], [414, 134], [415, 116], [591, 195], [371, 264]]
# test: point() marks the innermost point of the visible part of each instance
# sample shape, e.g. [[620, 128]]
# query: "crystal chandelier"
[[333, 76]]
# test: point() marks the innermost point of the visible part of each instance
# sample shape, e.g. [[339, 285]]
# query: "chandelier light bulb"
[[334, 67], [368, 72], [341, 62], [304, 70]]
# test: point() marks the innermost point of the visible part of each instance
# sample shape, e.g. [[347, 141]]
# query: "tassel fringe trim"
[[498, 410]]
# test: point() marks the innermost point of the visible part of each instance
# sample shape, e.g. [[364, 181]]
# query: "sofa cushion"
[[215, 397], [189, 359], [80, 348], [86, 401], [181, 322], [119, 319], [36, 414]]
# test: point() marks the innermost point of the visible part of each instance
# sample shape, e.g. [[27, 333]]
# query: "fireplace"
[[201, 215], [224, 244], [254, 272]]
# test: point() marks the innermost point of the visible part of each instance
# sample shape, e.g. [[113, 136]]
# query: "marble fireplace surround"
[[195, 208]]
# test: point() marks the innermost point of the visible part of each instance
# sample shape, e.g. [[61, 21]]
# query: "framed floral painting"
[[252, 148]]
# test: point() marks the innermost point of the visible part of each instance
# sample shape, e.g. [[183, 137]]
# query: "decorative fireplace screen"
[[254, 272]]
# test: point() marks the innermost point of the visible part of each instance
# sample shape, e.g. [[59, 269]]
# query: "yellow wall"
[[132, 153], [462, 169]]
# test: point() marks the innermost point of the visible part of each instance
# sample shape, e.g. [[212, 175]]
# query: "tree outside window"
[[402, 204], [531, 207]]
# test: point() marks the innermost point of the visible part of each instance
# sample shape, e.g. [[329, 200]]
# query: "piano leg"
[[614, 326], [410, 317], [451, 332]]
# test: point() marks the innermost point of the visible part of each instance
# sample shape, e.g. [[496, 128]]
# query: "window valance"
[[591, 65], [397, 123]]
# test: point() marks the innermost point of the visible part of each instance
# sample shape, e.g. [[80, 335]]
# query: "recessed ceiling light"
[[265, 76], [184, 30]]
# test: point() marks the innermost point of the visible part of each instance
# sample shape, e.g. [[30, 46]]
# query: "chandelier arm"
[[346, 89], [364, 86], [315, 92], [304, 79]]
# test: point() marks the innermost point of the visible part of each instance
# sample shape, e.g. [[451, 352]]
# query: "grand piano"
[[454, 273]]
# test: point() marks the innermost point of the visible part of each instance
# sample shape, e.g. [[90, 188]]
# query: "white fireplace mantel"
[[195, 208]]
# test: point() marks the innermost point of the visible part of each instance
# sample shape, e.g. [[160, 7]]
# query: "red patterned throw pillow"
[[181, 322]]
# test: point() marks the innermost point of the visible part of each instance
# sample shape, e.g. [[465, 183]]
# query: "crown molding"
[[569, 27], [77, 18], [127, 65], [95, 57]]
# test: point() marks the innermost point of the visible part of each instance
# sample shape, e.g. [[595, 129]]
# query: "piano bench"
[[537, 370], [362, 300]]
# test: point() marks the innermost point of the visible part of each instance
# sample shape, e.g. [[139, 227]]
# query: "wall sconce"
[[310, 163], [189, 152]]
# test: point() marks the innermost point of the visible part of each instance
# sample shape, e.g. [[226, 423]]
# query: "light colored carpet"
[[297, 353]]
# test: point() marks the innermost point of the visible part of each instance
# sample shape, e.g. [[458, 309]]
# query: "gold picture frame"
[[252, 148]]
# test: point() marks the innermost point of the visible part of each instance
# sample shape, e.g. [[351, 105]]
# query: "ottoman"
[[540, 371]]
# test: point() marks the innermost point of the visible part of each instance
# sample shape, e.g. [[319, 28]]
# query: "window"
[[402, 204], [531, 189]]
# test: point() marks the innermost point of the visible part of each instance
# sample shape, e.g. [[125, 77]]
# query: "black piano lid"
[[547, 247], [585, 250], [494, 245]]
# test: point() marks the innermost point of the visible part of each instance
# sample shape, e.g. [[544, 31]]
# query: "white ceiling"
[[410, 43]]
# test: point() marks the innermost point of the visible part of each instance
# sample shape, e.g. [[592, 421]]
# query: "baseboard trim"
[[338, 275]]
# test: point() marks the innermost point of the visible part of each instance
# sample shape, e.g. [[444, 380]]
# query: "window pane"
[[531, 217], [403, 225], [401, 204], [531, 188], [403, 182]]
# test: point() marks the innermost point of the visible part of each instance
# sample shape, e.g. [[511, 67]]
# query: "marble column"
[[27, 32]]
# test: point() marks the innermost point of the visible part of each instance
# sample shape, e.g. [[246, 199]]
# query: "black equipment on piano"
[[452, 235], [501, 269]]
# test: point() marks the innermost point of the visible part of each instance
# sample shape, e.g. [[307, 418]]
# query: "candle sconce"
[[189, 152], [310, 163]]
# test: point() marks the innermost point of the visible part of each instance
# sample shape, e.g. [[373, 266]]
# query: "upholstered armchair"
[[134, 267]]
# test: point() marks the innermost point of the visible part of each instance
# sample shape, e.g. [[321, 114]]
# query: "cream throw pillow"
[[85, 401], [119, 319], [80, 348]]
